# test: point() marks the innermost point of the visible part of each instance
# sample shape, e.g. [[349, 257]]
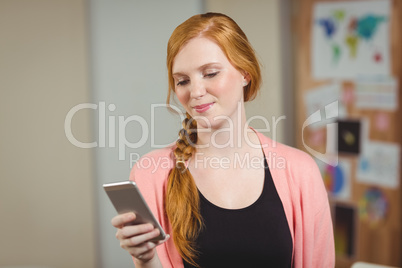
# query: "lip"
[[203, 107]]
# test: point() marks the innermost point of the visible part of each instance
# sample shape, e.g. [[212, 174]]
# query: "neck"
[[228, 137]]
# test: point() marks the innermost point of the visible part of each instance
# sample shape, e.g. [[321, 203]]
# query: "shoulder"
[[154, 166], [294, 159], [296, 166]]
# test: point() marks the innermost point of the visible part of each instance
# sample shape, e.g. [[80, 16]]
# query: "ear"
[[246, 78]]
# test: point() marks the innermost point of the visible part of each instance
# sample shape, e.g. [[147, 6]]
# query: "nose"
[[197, 89]]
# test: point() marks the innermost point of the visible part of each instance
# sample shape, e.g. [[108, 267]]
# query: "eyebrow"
[[204, 66]]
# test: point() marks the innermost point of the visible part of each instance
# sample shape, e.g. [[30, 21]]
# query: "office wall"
[[46, 196]]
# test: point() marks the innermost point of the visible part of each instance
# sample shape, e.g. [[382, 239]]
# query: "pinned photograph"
[[349, 136], [345, 230]]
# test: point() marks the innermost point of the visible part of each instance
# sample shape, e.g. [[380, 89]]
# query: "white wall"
[[128, 55]]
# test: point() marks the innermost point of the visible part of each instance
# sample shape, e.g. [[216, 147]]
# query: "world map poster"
[[350, 39]]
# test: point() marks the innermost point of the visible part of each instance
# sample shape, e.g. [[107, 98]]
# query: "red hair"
[[182, 199]]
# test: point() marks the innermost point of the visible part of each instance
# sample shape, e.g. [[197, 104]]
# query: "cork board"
[[379, 244]]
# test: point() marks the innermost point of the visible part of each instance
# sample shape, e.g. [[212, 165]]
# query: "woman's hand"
[[136, 238]]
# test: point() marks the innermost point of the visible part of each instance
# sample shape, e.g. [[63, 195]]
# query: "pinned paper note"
[[317, 137], [377, 93], [348, 93], [350, 38], [324, 101], [337, 179], [382, 121], [379, 164], [373, 206]]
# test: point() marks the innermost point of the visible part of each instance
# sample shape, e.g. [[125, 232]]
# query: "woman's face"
[[208, 86]]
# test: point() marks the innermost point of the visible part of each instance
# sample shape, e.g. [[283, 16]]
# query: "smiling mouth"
[[203, 108]]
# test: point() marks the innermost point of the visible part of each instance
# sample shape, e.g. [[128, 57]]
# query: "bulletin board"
[[363, 181]]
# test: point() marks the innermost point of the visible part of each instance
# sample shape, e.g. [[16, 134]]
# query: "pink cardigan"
[[297, 181]]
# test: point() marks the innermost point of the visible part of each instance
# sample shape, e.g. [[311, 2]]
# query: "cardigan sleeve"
[[312, 223], [324, 251], [322, 247]]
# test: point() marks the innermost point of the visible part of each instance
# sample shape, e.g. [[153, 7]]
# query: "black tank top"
[[255, 236]]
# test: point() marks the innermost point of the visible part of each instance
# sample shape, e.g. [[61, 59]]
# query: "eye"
[[182, 83], [210, 75]]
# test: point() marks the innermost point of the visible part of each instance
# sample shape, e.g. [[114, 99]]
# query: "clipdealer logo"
[[109, 133], [147, 131]]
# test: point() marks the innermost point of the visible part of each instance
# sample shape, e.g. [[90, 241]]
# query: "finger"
[[120, 220], [146, 255], [138, 240], [138, 250], [134, 230], [164, 240], [145, 251], [141, 250]]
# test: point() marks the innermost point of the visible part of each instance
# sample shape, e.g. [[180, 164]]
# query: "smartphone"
[[126, 197]]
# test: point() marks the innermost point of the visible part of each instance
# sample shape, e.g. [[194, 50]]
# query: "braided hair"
[[182, 199]]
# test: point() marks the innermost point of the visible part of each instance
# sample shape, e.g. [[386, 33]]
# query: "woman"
[[219, 198]]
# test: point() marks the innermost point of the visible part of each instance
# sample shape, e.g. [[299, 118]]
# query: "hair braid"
[[182, 199]]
